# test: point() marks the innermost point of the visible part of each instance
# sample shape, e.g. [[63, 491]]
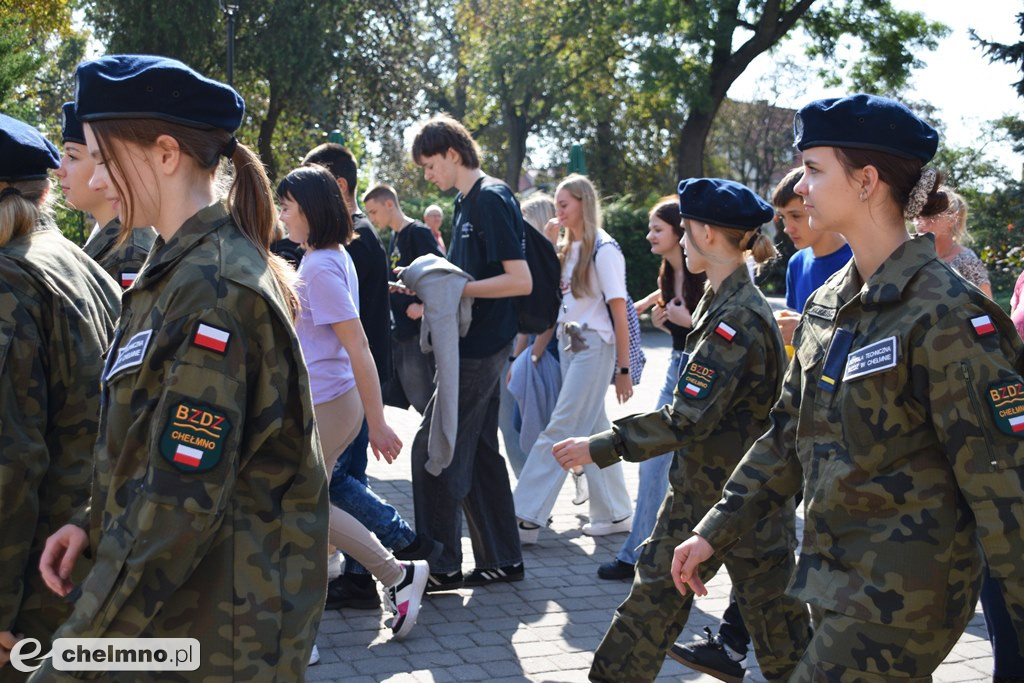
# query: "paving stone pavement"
[[546, 627]]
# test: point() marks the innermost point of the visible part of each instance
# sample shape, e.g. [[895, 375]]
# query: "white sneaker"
[[314, 656], [404, 597], [582, 490], [527, 535], [335, 565], [605, 528]]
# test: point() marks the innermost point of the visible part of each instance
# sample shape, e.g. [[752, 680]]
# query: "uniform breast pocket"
[[878, 408]]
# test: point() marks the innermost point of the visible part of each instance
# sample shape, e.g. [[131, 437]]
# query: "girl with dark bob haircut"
[[315, 190]]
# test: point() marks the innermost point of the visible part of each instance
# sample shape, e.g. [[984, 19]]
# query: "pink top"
[[1017, 306]]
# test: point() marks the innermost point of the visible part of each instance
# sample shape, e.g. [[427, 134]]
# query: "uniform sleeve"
[[716, 373], [24, 459], [194, 454], [767, 476], [976, 400]]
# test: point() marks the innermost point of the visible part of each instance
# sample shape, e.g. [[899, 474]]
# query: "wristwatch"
[[534, 358], [623, 371]]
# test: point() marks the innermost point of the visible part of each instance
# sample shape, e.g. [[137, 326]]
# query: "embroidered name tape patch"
[[130, 354], [212, 338], [193, 437], [697, 381], [819, 311], [1006, 400], [872, 358]]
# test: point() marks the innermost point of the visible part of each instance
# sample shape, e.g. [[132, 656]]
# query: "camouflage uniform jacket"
[[57, 316], [123, 261], [901, 417], [209, 510], [729, 383]]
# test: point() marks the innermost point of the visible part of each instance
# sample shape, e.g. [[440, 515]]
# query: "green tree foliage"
[[1012, 53], [26, 26], [298, 64]]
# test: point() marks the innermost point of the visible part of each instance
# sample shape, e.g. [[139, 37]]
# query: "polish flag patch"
[[691, 390], [188, 456], [1017, 423], [725, 332], [128, 278], [212, 338], [983, 325]]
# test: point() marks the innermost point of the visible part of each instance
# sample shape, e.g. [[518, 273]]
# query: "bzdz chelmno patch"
[[193, 438], [697, 381], [1006, 399]]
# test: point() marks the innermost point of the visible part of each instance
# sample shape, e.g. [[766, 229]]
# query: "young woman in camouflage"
[[208, 516], [730, 379], [901, 419], [120, 253], [57, 315]]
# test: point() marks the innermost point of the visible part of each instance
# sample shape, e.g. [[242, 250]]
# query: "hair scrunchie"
[[10, 192], [919, 195], [230, 147], [752, 239]]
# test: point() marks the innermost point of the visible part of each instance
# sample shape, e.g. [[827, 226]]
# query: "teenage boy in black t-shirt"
[[410, 239], [487, 242]]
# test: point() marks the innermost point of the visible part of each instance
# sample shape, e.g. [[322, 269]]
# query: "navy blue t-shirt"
[[487, 228], [411, 242], [805, 273]]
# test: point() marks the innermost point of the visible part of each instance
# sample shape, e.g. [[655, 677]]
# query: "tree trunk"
[[516, 153], [266, 138], [691, 142]]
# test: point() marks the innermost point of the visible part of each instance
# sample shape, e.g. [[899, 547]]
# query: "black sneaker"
[[345, 592], [482, 577], [709, 656], [437, 583], [616, 570]]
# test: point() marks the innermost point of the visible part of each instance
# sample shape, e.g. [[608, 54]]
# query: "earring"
[[863, 195]]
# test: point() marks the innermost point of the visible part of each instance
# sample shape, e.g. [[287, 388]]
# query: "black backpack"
[[537, 311]]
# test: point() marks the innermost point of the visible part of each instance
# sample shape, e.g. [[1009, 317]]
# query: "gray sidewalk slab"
[[546, 627]]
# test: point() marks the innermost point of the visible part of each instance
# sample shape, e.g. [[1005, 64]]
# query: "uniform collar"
[[886, 285], [166, 254], [737, 280], [104, 239]]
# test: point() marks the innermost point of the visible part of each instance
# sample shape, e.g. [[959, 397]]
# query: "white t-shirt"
[[607, 282]]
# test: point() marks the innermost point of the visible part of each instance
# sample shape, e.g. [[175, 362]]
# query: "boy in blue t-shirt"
[[820, 254]]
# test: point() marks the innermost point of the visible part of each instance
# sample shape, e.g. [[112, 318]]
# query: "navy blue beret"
[[865, 122], [148, 87], [24, 153], [723, 202], [70, 126]]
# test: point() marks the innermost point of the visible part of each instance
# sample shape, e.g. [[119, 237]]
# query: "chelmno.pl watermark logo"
[[109, 654]]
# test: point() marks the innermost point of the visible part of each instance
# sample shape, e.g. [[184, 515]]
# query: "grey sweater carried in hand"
[[446, 317]]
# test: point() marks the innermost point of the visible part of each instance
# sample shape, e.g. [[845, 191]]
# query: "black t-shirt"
[[371, 264], [408, 244], [678, 333], [487, 228]]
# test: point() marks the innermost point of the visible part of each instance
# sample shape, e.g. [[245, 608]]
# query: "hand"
[[59, 556], [787, 321], [385, 443], [658, 316], [396, 287], [678, 313], [686, 560], [572, 452], [414, 311], [623, 387], [553, 230], [7, 642]]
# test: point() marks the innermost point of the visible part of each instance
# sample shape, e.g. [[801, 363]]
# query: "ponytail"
[[762, 249], [251, 204], [22, 203]]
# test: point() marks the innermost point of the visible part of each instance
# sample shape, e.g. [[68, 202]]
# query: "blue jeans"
[[653, 484], [1008, 661], [476, 482], [350, 491]]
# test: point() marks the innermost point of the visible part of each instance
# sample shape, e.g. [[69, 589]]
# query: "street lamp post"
[[230, 10]]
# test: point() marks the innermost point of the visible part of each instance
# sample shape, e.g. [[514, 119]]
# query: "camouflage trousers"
[[760, 565], [848, 650]]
